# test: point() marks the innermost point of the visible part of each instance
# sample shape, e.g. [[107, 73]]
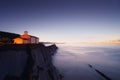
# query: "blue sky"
[[62, 20]]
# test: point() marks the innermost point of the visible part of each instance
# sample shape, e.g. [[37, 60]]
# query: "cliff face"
[[27, 62]]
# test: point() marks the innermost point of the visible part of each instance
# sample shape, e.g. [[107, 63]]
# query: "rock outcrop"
[[27, 62]]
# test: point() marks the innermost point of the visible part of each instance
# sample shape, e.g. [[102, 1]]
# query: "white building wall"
[[26, 41], [33, 40], [37, 40]]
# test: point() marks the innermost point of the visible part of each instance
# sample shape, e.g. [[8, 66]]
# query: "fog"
[[74, 61]]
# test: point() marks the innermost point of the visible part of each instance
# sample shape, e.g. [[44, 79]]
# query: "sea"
[[88, 61]]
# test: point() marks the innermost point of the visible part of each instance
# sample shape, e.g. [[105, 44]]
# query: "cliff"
[[27, 62]]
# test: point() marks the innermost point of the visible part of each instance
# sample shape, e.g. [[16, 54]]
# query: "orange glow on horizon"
[[109, 42]]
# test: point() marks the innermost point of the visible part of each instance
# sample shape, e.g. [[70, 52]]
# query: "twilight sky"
[[62, 20]]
